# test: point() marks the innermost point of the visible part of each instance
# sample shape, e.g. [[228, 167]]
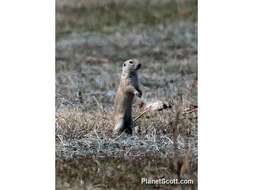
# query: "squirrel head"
[[131, 66]]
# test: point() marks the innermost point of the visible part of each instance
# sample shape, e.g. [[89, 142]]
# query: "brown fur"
[[128, 88]]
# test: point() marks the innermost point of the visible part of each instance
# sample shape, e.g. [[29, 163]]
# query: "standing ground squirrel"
[[128, 88]]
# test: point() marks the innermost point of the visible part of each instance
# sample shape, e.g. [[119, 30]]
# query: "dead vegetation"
[[88, 64]]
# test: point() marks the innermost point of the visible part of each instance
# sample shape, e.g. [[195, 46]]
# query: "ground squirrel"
[[128, 88]]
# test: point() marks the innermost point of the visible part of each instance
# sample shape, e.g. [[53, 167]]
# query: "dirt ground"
[[92, 41]]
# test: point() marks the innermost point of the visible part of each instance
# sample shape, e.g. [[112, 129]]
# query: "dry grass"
[[119, 14], [88, 65]]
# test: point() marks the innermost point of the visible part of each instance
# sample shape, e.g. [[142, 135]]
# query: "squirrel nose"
[[138, 66]]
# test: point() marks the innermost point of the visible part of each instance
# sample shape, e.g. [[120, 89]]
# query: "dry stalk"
[[153, 106]]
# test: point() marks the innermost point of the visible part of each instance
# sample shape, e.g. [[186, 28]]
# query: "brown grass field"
[[93, 38]]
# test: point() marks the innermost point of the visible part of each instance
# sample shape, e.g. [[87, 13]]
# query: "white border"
[[27, 94], [225, 94]]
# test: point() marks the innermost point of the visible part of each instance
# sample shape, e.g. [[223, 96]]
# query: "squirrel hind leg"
[[129, 130], [128, 127]]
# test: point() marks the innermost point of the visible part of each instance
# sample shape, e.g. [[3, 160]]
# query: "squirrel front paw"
[[138, 93]]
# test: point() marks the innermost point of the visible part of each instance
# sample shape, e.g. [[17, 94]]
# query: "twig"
[[169, 140], [141, 114], [100, 106], [61, 140], [190, 111], [117, 137]]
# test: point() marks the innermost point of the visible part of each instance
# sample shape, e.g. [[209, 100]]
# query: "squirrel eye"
[[131, 62]]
